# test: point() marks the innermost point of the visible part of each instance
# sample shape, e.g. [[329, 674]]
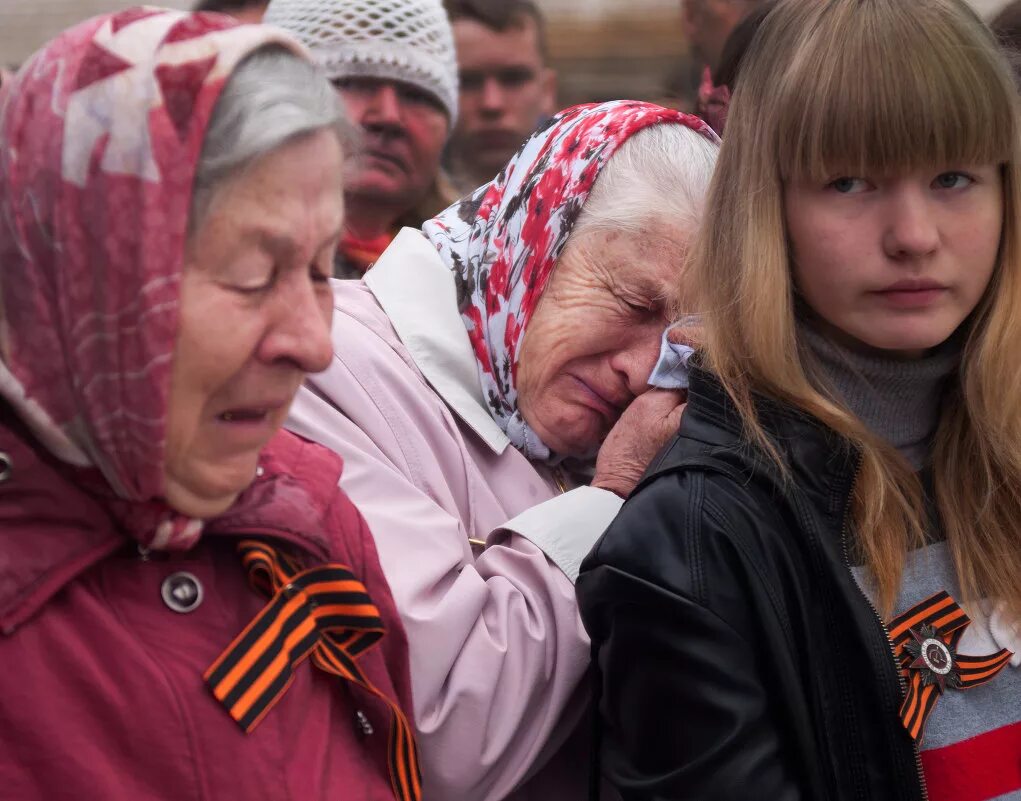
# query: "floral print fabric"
[[503, 241], [100, 136]]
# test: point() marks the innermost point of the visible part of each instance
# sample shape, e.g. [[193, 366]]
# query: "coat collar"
[[419, 296], [52, 530]]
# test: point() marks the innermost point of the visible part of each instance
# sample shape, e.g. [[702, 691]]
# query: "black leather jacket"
[[736, 657]]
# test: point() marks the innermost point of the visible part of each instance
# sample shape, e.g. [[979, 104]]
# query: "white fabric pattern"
[[398, 40]]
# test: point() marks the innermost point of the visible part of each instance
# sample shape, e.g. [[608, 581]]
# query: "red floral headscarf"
[[503, 242], [100, 136]]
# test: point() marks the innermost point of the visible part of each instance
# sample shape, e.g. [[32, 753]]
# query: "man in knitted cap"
[[393, 63]]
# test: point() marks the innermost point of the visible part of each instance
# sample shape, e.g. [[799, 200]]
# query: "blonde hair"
[[873, 87]]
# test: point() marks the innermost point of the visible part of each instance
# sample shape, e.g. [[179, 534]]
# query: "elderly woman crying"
[[189, 607], [489, 394]]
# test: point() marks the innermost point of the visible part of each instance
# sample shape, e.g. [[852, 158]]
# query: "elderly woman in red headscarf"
[[489, 395], [189, 608]]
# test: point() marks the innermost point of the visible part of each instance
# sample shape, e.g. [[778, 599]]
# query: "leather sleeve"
[[685, 708]]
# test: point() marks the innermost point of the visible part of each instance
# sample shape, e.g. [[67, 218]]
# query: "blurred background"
[[602, 49]]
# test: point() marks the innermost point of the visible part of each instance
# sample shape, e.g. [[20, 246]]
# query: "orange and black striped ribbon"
[[944, 614], [322, 612]]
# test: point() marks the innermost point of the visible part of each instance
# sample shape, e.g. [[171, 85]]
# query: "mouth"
[[255, 414], [610, 408], [385, 157], [914, 285], [912, 293], [244, 416]]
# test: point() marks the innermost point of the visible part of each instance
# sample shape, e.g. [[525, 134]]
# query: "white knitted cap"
[[398, 40]]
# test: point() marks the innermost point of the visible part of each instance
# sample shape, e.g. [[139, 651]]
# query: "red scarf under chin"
[[363, 253]]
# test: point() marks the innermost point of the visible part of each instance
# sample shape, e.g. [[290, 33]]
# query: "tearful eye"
[[636, 306]]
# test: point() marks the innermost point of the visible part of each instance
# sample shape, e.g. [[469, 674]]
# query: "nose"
[[384, 108], [911, 228], [492, 95], [300, 330], [635, 361]]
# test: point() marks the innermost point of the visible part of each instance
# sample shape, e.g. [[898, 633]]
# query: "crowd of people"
[[373, 428]]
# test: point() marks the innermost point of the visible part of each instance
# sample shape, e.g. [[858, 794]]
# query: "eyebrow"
[[283, 244]]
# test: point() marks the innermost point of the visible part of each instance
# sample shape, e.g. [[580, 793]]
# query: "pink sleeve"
[[497, 647]]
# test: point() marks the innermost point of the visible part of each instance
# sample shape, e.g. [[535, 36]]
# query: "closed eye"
[[255, 289], [638, 306]]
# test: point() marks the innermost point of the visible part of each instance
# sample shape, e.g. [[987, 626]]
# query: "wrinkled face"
[[707, 24], [896, 264], [404, 129], [255, 317], [591, 344], [506, 90]]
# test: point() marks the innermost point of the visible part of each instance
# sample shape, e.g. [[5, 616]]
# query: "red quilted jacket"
[[101, 681]]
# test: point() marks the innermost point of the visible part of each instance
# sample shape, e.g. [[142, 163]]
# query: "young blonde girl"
[[814, 594]]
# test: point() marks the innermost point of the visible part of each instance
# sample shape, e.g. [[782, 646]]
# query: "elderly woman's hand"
[[640, 433]]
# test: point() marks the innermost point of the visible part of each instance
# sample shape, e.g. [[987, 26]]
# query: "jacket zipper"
[[886, 631]]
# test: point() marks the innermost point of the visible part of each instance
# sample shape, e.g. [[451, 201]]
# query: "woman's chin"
[[576, 439], [206, 499], [199, 506]]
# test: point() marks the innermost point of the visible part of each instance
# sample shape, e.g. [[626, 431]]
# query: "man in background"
[[247, 11], [707, 24], [393, 64], [507, 89], [1007, 27]]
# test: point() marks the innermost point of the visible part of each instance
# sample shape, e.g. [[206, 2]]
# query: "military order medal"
[[925, 639]]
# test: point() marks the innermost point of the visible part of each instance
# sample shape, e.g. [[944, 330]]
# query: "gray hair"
[[658, 177], [271, 98]]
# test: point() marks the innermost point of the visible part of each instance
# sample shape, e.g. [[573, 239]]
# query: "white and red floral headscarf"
[[503, 241], [100, 137]]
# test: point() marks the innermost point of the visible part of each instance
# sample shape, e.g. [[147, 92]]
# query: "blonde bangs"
[[899, 88], [873, 88]]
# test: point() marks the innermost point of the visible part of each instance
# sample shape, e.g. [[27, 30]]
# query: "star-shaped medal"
[[934, 657], [925, 639]]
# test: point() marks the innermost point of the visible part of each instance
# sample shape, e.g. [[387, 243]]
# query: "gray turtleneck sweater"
[[899, 400]]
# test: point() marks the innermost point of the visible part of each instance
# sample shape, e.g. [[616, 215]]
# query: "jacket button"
[[362, 724], [6, 465], [182, 592]]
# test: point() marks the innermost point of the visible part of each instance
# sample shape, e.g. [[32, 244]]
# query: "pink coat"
[[101, 688], [497, 648]]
